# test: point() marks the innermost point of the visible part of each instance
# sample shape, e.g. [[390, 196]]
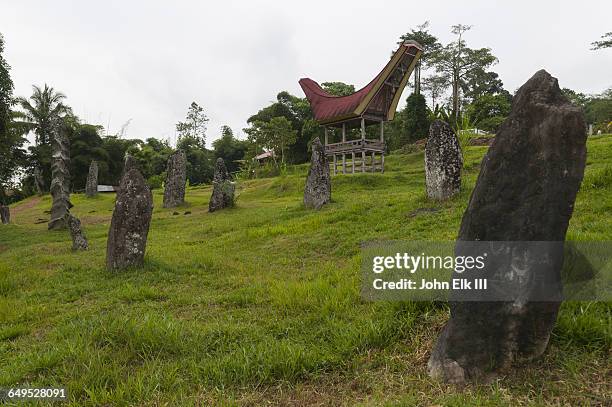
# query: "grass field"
[[260, 304]]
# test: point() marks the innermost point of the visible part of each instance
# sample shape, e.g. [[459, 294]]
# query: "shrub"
[[155, 181], [416, 125]]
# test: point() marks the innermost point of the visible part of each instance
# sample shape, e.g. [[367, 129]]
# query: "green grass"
[[260, 304]]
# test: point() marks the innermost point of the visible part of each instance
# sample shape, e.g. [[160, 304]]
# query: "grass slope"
[[260, 304]]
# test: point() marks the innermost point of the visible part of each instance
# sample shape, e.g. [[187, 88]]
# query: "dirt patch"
[[94, 219], [481, 141], [27, 205]]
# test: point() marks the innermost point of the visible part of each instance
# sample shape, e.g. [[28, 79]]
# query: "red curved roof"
[[379, 96]]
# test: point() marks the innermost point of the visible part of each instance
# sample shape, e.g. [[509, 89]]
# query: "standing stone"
[[317, 191], [60, 181], [176, 177], [525, 193], [5, 214], [79, 241], [223, 188], [91, 188], [129, 162], [443, 162], [127, 237], [39, 182]]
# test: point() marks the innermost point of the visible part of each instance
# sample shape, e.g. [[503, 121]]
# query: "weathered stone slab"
[[39, 182], [5, 214], [127, 237], [79, 240], [525, 193], [176, 178], [60, 182], [223, 188], [91, 187], [317, 191], [443, 162], [129, 162]]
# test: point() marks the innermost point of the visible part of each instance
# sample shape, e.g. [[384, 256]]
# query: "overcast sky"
[[148, 60]]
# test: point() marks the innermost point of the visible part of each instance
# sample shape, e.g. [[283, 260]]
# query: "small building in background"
[[107, 188], [265, 157]]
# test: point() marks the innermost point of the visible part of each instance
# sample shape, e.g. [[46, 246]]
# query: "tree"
[[416, 118], [489, 111], [598, 110], [86, 145], [194, 124], [230, 149], [577, 98], [115, 148], [152, 156], [297, 111], [6, 91], [276, 135], [605, 42], [338, 88], [455, 61], [430, 45], [41, 110], [479, 82], [199, 159], [435, 86], [12, 155]]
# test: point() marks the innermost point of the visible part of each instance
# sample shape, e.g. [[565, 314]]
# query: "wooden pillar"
[[326, 137], [353, 160], [382, 140], [343, 154], [363, 154], [362, 128], [334, 163]]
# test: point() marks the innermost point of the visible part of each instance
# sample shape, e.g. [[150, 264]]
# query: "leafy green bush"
[[155, 181], [416, 125]]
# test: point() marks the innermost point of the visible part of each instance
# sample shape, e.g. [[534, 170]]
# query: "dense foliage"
[[11, 138], [452, 82]]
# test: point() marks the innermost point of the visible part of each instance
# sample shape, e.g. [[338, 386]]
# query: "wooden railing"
[[355, 146]]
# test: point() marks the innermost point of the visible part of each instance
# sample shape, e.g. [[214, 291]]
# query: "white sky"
[[148, 60]]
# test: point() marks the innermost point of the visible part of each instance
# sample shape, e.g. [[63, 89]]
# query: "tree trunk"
[[417, 78], [456, 96]]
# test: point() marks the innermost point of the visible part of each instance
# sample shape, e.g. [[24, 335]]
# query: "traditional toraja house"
[[375, 104]]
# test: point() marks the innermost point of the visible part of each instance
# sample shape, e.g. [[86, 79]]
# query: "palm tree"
[[41, 109], [40, 114]]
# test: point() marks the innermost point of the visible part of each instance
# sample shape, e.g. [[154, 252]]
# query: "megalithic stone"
[[79, 240], [223, 188], [525, 194], [317, 191], [127, 236], [60, 182], [5, 214], [176, 177], [39, 182], [443, 162], [91, 187], [129, 162]]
